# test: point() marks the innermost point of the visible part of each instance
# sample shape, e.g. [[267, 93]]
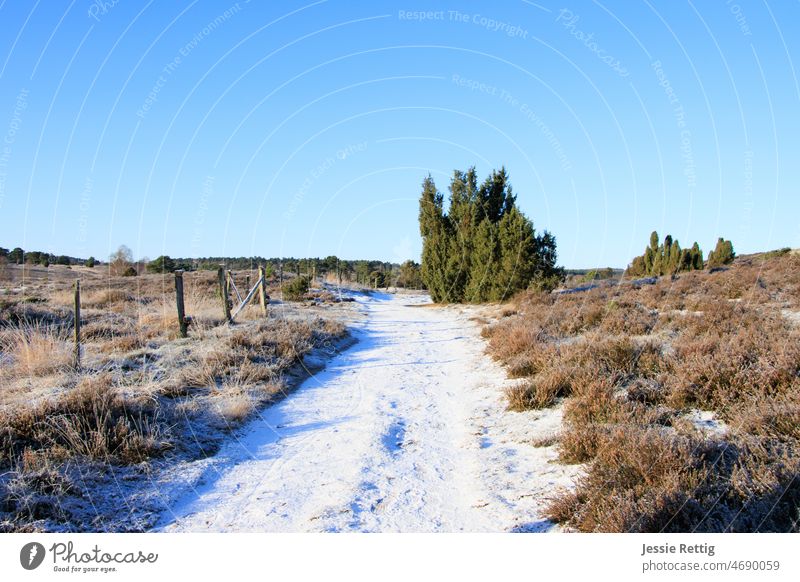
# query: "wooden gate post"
[[223, 291], [262, 288], [179, 301], [77, 353]]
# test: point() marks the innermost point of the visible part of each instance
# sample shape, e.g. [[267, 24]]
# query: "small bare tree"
[[120, 261]]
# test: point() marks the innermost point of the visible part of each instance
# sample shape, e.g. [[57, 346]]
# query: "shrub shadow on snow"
[[540, 526]]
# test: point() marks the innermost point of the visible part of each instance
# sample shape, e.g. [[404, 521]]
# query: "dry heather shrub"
[[520, 397], [651, 361], [760, 485], [559, 371], [553, 383], [203, 372], [613, 357], [511, 337], [37, 350], [597, 403], [541, 392], [94, 420], [653, 296], [722, 344], [640, 481], [332, 327], [579, 444], [535, 358], [744, 282], [596, 408], [592, 406], [531, 298], [653, 480], [715, 373], [720, 318], [646, 391], [546, 441], [628, 318], [578, 314], [775, 417]]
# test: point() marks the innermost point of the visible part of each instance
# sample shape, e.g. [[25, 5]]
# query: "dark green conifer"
[[483, 248]]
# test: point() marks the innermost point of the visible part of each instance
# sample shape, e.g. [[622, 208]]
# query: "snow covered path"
[[406, 431]]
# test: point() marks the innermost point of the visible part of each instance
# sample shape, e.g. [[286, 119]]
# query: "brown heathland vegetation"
[[682, 397]]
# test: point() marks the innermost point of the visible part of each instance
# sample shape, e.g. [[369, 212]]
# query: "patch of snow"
[[706, 421], [579, 289], [685, 312], [793, 316]]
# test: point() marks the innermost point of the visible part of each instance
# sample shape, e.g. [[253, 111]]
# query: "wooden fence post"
[[77, 354], [223, 291], [262, 288], [179, 301]]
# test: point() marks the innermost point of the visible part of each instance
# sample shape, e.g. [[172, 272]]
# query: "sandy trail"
[[406, 431]]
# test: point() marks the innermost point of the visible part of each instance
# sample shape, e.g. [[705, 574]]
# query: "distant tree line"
[[332, 268], [483, 248], [669, 258], [17, 256], [122, 263]]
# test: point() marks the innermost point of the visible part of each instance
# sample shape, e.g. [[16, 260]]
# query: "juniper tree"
[[483, 247], [495, 197], [484, 262], [686, 261], [674, 257], [434, 236], [667, 258], [697, 257], [517, 254], [722, 254], [162, 264]]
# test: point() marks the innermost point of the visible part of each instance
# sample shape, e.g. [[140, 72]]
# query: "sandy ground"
[[406, 431]]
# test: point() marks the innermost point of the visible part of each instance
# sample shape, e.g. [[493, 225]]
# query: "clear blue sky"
[[306, 128]]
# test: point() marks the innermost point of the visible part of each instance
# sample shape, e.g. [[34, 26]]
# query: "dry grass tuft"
[[37, 350], [106, 297], [94, 420]]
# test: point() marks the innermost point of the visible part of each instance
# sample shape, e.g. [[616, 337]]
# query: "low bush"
[[295, 289]]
